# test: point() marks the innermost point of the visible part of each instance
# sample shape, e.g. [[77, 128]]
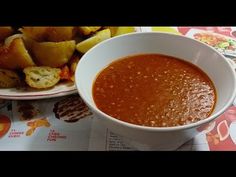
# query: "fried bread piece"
[[15, 55], [49, 34], [5, 31], [87, 44], [53, 54], [42, 77], [86, 30], [8, 79]]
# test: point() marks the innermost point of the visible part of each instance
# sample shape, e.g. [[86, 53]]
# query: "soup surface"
[[154, 90]]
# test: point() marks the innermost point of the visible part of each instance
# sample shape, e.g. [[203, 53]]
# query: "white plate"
[[59, 90]]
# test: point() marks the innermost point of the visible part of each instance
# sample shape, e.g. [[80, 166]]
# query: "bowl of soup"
[[155, 89]]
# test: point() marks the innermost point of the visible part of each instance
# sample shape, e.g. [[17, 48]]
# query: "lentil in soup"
[[154, 90]]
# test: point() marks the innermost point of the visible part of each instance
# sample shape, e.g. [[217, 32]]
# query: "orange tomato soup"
[[154, 90]]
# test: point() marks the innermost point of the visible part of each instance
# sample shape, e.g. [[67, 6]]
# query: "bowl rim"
[[147, 128]]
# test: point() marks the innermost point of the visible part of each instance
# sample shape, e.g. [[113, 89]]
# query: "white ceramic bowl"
[[217, 67]]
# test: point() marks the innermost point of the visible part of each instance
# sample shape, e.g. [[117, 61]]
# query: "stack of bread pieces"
[[41, 57]]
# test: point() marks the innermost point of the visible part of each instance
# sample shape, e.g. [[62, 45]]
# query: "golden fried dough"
[[53, 54], [8, 40], [35, 33], [116, 31], [8, 79], [5, 31], [100, 36], [49, 34], [42, 77], [57, 34], [86, 30], [15, 56]]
